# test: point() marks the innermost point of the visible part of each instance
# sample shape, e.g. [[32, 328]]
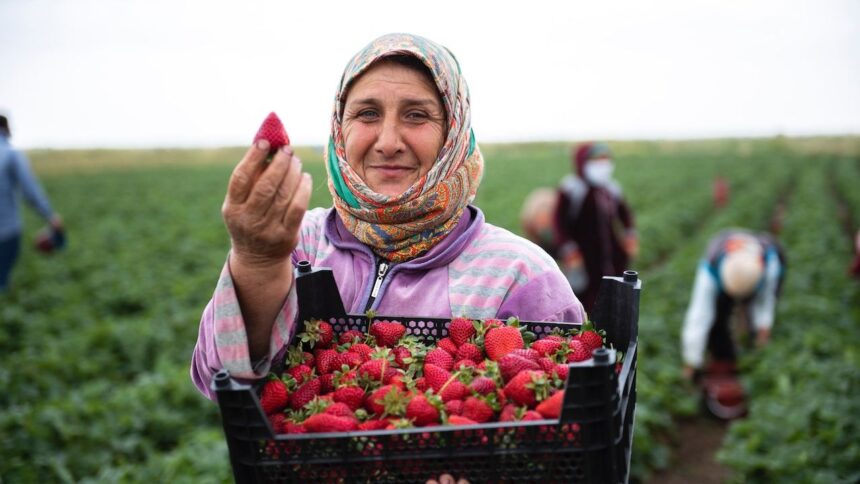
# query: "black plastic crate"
[[591, 442]]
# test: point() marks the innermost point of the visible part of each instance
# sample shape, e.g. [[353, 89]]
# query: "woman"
[[594, 225], [402, 237]]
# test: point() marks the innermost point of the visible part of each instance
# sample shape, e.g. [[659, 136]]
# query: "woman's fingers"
[[242, 179], [299, 204], [286, 190], [265, 188]]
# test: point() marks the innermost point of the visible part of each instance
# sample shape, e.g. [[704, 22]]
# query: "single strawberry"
[[453, 390], [527, 353], [305, 393], [362, 349], [527, 388], [387, 333], [500, 341], [556, 337], [483, 385], [351, 336], [326, 361], [296, 357], [454, 407], [341, 410], [440, 358], [351, 360], [387, 401], [421, 411], [448, 345], [589, 335], [511, 413], [323, 422], [546, 347], [478, 410], [373, 424], [470, 351], [317, 334], [402, 356], [560, 371], [291, 427], [546, 364], [272, 130], [352, 396], [421, 384], [274, 395], [460, 330], [435, 377], [374, 370], [578, 351], [278, 422], [459, 420], [551, 407], [326, 383], [301, 373], [512, 364], [532, 415]]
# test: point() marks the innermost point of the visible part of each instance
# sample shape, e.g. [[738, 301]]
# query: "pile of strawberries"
[[483, 371]]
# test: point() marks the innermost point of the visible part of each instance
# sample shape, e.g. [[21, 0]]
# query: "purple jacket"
[[479, 271]]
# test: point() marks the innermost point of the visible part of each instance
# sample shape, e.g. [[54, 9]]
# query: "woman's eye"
[[368, 114], [416, 115]]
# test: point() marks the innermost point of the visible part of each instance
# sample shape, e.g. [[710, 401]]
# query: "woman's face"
[[393, 127]]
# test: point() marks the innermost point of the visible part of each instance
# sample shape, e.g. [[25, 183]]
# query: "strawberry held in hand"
[[272, 130]]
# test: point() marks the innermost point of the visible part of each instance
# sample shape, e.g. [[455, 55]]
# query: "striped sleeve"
[[223, 342]]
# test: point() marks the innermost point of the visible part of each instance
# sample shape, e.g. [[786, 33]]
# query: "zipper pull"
[[380, 275]]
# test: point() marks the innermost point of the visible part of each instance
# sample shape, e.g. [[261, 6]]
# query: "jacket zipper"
[[380, 276]]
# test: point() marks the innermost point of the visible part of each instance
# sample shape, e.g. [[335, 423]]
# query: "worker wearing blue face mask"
[[594, 226]]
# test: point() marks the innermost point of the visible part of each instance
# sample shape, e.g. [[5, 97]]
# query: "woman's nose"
[[389, 142]]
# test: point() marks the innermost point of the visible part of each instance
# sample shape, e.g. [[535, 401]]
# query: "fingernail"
[[287, 150], [262, 145]]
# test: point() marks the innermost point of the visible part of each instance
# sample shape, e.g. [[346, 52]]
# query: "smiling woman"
[[402, 238]]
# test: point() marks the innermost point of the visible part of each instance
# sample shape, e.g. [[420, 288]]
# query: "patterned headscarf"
[[400, 228]]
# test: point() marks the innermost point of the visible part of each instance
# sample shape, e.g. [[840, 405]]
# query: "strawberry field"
[[95, 342]]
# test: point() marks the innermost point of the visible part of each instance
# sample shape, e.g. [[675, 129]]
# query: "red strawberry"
[[272, 130], [478, 410], [470, 351], [362, 349], [274, 395], [560, 370], [374, 370], [326, 361], [350, 336], [317, 334], [556, 337], [421, 384], [387, 333], [294, 428], [435, 377], [326, 383], [440, 358], [421, 411], [454, 407], [589, 336], [402, 356], [461, 330], [579, 351], [278, 422], [483, 385], [551, 407], [546, 347], [300, 373], [352, 396], [527, 353], [531, 415], [458, 420], [510, 413], [512, 364], [448, 345], [501, 341], [373, 424], [323, 422], [352, 360], [305, 393], [453, 390], [546, 364], [527, 388], [340, 409], [386, 401]]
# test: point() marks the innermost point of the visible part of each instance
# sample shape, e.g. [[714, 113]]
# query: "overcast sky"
[[91, 73]]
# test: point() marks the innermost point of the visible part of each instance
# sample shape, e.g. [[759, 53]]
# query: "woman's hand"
[[264, 206], [263, 211]]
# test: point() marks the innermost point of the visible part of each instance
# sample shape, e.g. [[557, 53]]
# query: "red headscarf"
[[585, 152]]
